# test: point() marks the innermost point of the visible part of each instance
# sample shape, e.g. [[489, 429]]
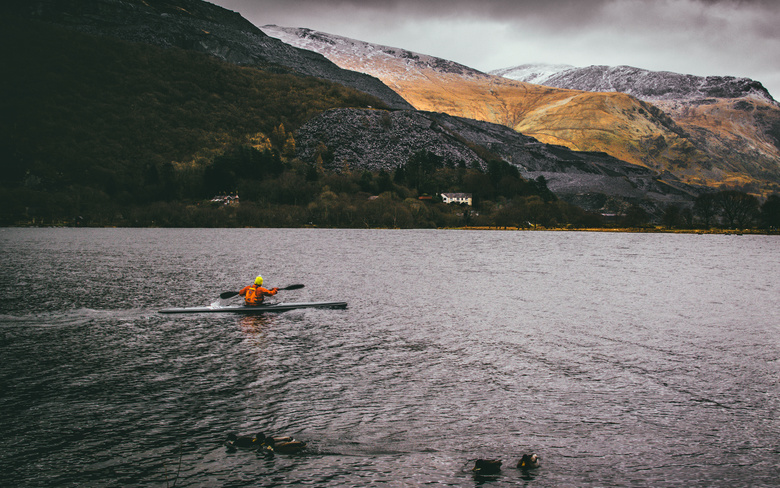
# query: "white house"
[[456, 198]]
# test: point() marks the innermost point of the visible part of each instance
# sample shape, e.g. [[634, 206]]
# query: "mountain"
[[99, 125], [719, 142], [434, 85], [199, 26], [132, 101], [735, 121]]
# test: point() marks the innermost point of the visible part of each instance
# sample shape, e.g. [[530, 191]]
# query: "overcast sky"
[[700, 37]]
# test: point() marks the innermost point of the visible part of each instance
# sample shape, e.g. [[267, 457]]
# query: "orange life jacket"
[[254, 294]]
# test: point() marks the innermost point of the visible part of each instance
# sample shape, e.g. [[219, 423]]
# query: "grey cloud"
[[576, 15], [482, 8]]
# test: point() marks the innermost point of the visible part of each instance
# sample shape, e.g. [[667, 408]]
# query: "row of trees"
[[275, 192], [282, 191], [727, 209], [285, 192]]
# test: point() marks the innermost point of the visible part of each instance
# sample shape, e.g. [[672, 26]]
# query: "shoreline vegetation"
[[628, 230], [466, 229], [259, 189], [639, 230], [300, 195]]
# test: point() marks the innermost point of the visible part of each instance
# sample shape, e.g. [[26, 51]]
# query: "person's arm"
[[243, 291]]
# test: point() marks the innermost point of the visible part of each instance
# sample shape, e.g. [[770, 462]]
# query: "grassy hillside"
[[97, 118]]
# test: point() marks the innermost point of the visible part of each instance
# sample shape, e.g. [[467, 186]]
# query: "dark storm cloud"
[[496, 9], [555, 12], [488, 9], [576, 15]]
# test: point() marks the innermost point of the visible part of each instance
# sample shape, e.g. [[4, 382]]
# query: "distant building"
[[226, 199], [456, 198]]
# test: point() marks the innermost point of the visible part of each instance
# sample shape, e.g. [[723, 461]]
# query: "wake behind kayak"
[[243, 309]]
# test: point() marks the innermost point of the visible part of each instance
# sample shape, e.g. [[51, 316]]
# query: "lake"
[[620, 359]]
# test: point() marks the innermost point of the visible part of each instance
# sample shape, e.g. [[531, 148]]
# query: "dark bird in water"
[[282, 445], [487, 466], [235, 441], [528, 461]]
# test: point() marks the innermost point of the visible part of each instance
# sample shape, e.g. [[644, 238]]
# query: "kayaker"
[[255, 294]]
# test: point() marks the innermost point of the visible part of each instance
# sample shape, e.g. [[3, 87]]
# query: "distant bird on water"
[[267, 444], [282, 445], [528, 461], [235, 441], [487, 466]]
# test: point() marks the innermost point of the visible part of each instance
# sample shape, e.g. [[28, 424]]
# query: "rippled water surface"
[[620, 359]]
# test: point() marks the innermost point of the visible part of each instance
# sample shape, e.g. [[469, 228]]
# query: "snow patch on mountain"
[[537, 74], [372, 59]]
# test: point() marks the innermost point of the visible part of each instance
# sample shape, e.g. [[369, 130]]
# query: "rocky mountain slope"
[[199, 26], [377, 140], [628, 147], [719, 142]]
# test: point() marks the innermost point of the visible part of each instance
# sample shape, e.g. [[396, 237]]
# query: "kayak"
[[276, 307]]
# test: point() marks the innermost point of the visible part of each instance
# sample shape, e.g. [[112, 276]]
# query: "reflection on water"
[[255, 323], [621, 359], [256, 327]]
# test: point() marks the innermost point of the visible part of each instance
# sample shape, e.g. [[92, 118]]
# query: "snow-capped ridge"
[[348, 50], [641, 83]]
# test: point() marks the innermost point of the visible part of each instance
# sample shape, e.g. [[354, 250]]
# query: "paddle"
[[230, 294]]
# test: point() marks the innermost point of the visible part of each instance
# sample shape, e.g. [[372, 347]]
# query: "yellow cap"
[[259, 280]]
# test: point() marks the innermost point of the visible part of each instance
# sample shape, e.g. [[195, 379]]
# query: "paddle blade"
[[292, 287], [228, 294]]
